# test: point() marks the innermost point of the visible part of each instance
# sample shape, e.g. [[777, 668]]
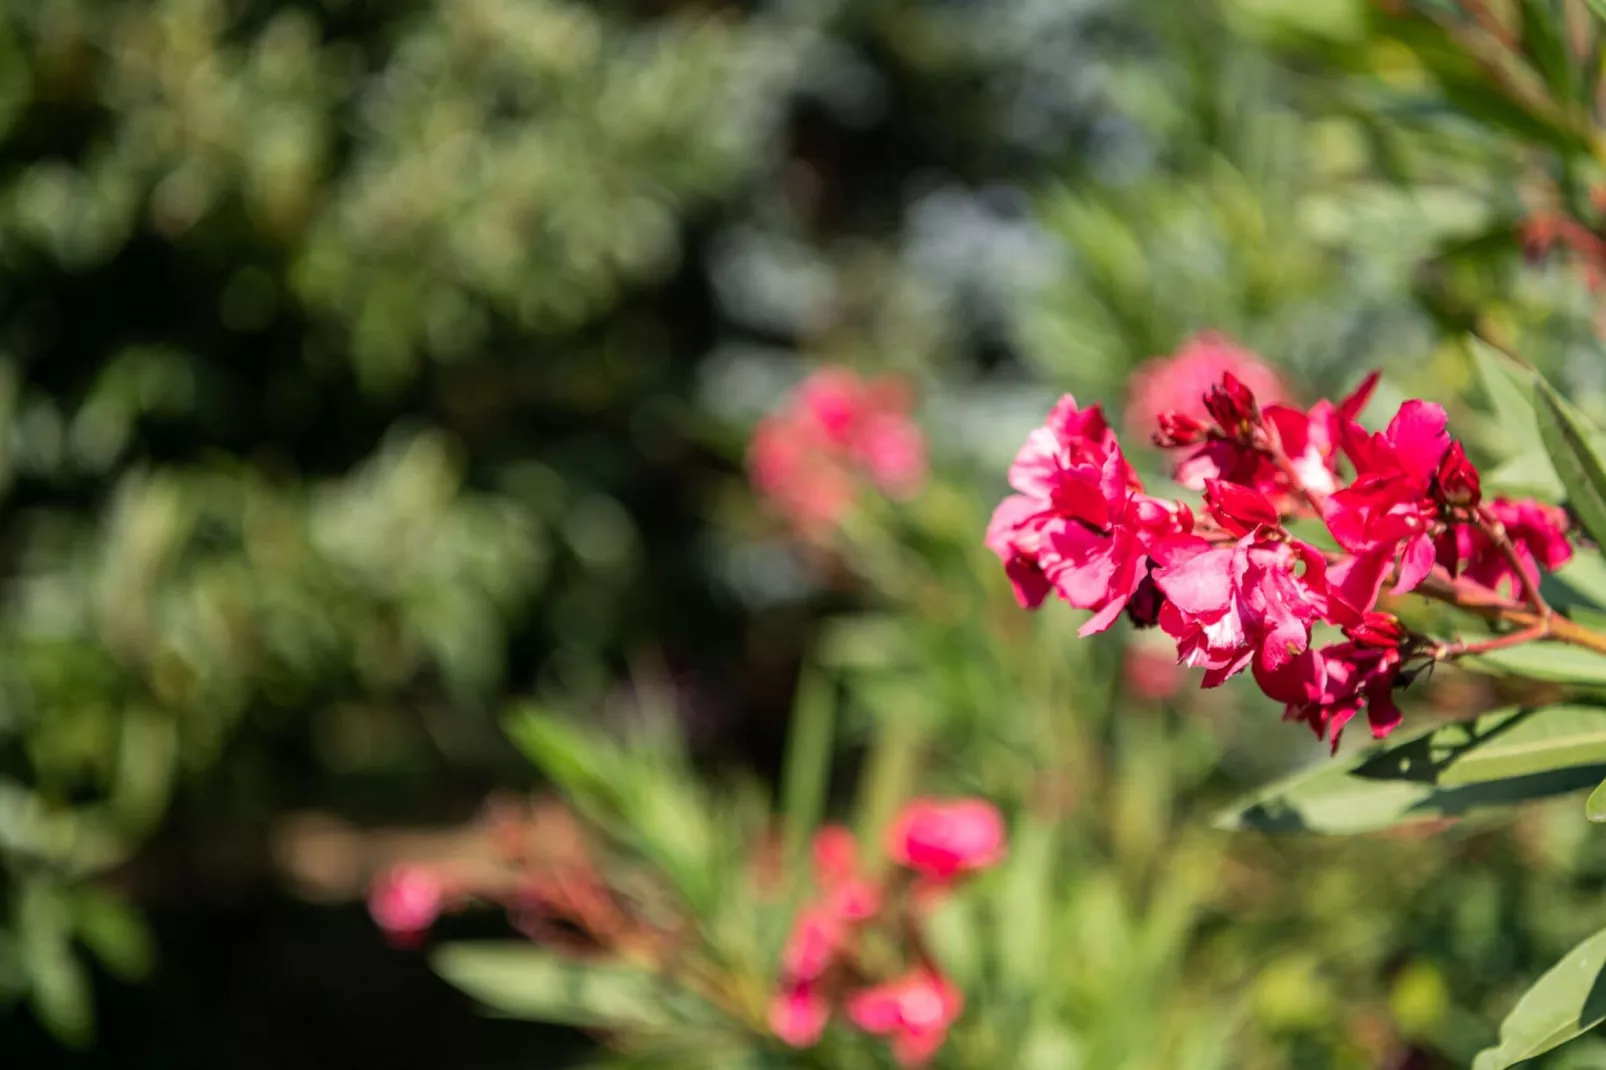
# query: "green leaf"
[[1544, 45], [60, 992], [807, 775], [524, 981], [1557, 737], [1595, 805], [1598, 7], [1504, 757], [1578, 462], [1554, 662], [1568, 1000], [1510, 394], [1586, 572], [1024, 905], [1527, 475], [115, 932], [585, 767]]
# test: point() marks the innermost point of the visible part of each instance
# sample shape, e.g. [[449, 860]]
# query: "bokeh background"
[[367, 369]]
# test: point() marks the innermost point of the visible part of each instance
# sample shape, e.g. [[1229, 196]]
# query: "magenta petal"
[[1037, 466], [1103, 618], [1298, 681], [1354, 584], [1418, 436], [1415, 564], [1201, 584]]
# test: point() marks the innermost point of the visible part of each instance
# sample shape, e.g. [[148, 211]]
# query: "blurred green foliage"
[[365, 367]]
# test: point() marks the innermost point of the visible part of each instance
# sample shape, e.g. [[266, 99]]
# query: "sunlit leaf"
[[524, 981], [1557, 737], [1554, 662], [1435, 773], [1568, 1000], [1578, 462], [582, 765], [1595, 805], [1527, 475], [1585, 574], [1510, 394]]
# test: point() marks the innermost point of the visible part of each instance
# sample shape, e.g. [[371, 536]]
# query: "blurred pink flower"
[[914, 1010], [1180, 382], [405, 902], [809, 457], [1152, 675], [798, 1014], [847, 894], [940, 840]]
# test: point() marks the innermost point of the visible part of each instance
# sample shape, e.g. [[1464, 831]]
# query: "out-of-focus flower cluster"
[[1233, 587], [543, 869], [809, 458], [934, 844]]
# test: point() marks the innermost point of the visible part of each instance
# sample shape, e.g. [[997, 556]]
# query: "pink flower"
[[1326, 688], [809, 458], [816, 936], [1394, 503], [798, 1014], [821, 933], [941, 840], [915, 1011], [1177, 384], [847, 894], [1226, 604], [1538, 533], [1311, 439], [1079, 525], [792, 467], [405, 902], [1240, 435]]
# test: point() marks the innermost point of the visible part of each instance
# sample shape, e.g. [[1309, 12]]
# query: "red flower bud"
[[1239, 509], [1232, 405], [1376, 629], [1178, 429], [1456, 480]]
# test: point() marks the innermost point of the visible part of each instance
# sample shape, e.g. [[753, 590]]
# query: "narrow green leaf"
[[1418, 777], [1598, 7], [1552, 662], [1543, 43], [1024, 905], [1578, 463], [1595, 805], [807, 775], [586, 768], [1510, 393], [524, 981], [1568, 1000]]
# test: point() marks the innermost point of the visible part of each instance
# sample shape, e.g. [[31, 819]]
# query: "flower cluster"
[[809, 458], [1231, 585], [935, 843]]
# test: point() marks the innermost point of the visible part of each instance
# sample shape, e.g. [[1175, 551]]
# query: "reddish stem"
[[1460, 647]]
